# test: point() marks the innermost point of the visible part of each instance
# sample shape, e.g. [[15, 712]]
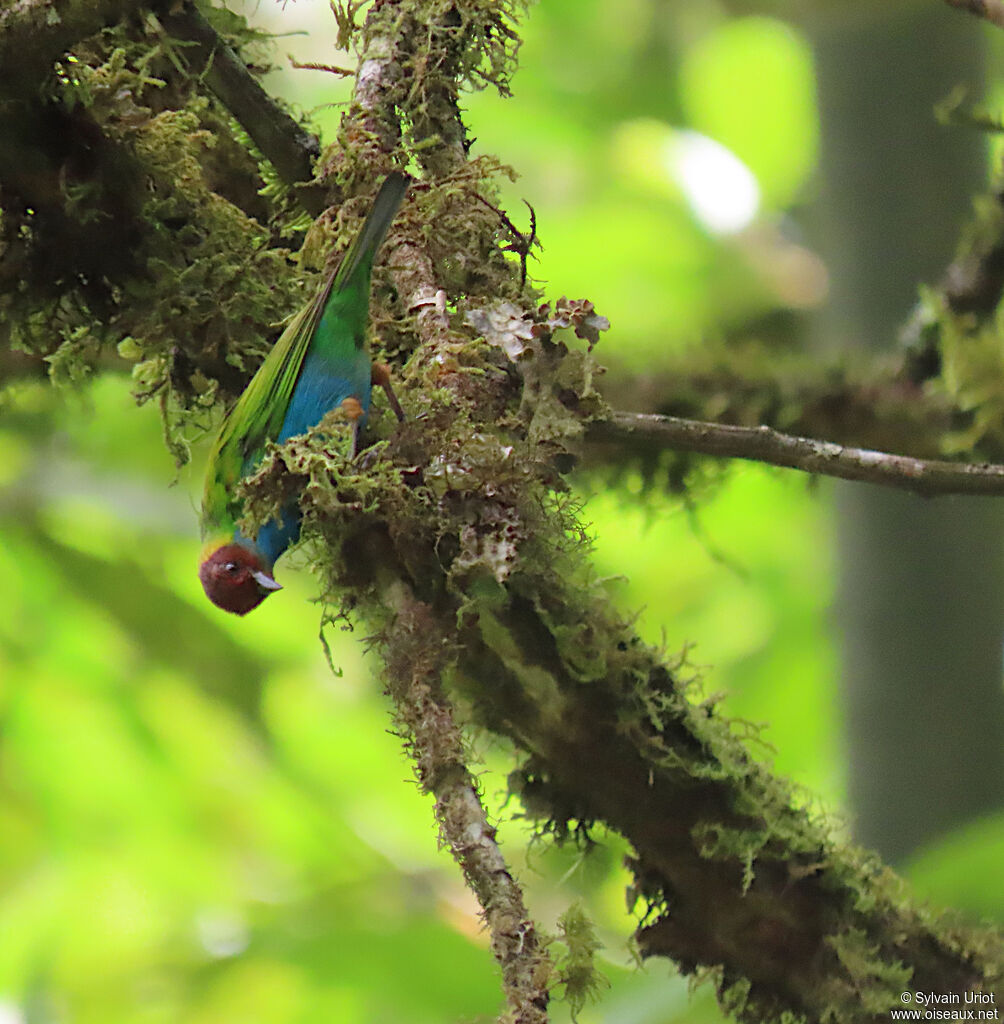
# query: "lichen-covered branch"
[[436, 744], [926, 477], [732, 875], [463, 511]]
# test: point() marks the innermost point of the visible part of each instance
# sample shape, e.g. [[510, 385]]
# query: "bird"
[[319, 363]]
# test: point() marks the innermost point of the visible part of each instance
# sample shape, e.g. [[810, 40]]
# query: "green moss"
[[480, 36], [185, 269], [576, 969], [877, 982]]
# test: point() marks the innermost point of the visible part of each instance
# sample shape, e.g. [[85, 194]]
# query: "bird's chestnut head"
[[235, 579]]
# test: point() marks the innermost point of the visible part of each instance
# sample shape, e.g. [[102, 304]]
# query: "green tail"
[[369, 239]]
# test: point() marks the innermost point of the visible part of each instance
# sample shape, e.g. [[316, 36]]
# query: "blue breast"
[[322, 385], [276, 535]]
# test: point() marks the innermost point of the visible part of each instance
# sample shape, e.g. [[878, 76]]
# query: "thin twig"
[[988, 10], [926, 477], [521, 243], [332, 69]]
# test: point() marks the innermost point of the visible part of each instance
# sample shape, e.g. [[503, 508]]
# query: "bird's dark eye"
[[233, 568]]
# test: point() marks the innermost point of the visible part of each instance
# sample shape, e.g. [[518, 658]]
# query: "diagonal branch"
[[34, 33], [926, 477], [286, 145], [988, 10], [736, 875], [436, 745]]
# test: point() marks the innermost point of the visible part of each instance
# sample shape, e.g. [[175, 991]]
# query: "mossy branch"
[[418, 655], [289, 148], [736, 878]]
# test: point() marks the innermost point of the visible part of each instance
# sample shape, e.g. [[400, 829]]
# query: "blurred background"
[[200, 822]]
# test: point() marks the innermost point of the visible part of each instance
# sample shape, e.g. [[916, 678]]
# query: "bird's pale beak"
[[265, 582]]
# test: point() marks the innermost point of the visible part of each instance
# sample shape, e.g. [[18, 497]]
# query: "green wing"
[[257, 417]]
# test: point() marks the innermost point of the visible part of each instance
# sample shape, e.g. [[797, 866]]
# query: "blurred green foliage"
[[199, 822]]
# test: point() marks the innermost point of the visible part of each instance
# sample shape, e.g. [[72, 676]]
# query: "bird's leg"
[[380, 375], [353, 410]]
